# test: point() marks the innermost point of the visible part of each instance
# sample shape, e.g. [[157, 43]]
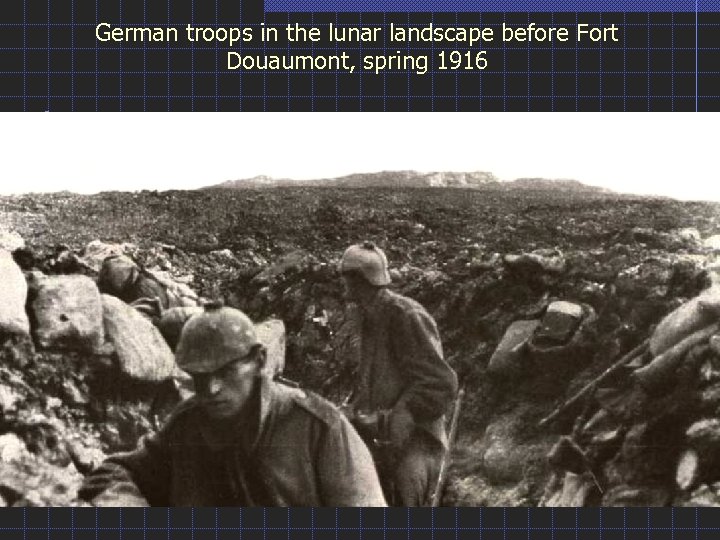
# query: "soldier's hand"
[[401, 425]]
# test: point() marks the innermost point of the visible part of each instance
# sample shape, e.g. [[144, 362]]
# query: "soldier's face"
[[224, 393]]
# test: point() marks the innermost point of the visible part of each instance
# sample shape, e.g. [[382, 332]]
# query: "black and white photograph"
[[359, 310]]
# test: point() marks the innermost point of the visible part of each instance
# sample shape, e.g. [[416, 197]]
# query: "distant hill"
[[414, 179], [378, 179]]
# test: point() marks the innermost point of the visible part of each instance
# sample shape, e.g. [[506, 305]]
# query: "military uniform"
[[298, 450], [402, 371]]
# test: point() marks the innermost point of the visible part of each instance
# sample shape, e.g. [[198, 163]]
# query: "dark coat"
[[302, 452], [402, 364]]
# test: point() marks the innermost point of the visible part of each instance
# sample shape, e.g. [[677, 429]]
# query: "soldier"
[[404, 386], [243, 439]]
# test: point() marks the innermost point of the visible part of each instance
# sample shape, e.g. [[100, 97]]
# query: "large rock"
[[693, 315], [10, 240], [559, 323], [712, 242], [551, 261], [13, 295], [141, 350], [507, 360], [68, 313]]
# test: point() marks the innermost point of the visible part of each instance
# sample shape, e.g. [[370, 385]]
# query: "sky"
[[669, 154]]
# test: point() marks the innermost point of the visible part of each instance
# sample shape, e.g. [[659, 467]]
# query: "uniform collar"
[[245, 431]]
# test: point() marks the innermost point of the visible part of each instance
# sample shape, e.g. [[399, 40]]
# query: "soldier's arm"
[[346, 470], [137, 478], [432, 382]]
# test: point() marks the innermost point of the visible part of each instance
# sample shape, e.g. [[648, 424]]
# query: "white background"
[[671, 154]]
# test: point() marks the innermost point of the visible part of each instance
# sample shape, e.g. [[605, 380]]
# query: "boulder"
[[142, 352], [550, 261], [10, 240], [559, 323], [13, 295], [686, 320], [68, 313], [712, 242], [508, 358]]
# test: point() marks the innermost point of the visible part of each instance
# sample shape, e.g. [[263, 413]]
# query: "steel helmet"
[[368, 260], [213, 338]]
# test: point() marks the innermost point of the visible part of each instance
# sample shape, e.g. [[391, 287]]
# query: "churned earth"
[[478, 259]]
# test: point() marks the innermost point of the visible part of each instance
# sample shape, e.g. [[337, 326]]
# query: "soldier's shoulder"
[[185, 411], [400, 304], [317, 406]]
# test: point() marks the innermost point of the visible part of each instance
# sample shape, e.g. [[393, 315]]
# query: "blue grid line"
[[600, 92], [385, 526], [337, 79], [576, 524], [408, 78], [577, 90], [72, 54], [48, 60], [391, 72], [360, 75], [481, 525], [300, 50], [393, 97], [24, 55], [168, 60], [121, 57], [480, 76], [192, 57], [210, 24], [528, 63], [340, 528], [217, 65], [624, 64]]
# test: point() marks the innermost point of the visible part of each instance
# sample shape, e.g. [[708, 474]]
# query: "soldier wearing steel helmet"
[[243, 439], [404, 387]]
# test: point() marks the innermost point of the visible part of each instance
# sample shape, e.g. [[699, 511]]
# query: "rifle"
[[437, 492], [592, 385]]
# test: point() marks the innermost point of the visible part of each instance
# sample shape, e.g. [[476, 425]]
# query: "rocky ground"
[[478, 259]]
